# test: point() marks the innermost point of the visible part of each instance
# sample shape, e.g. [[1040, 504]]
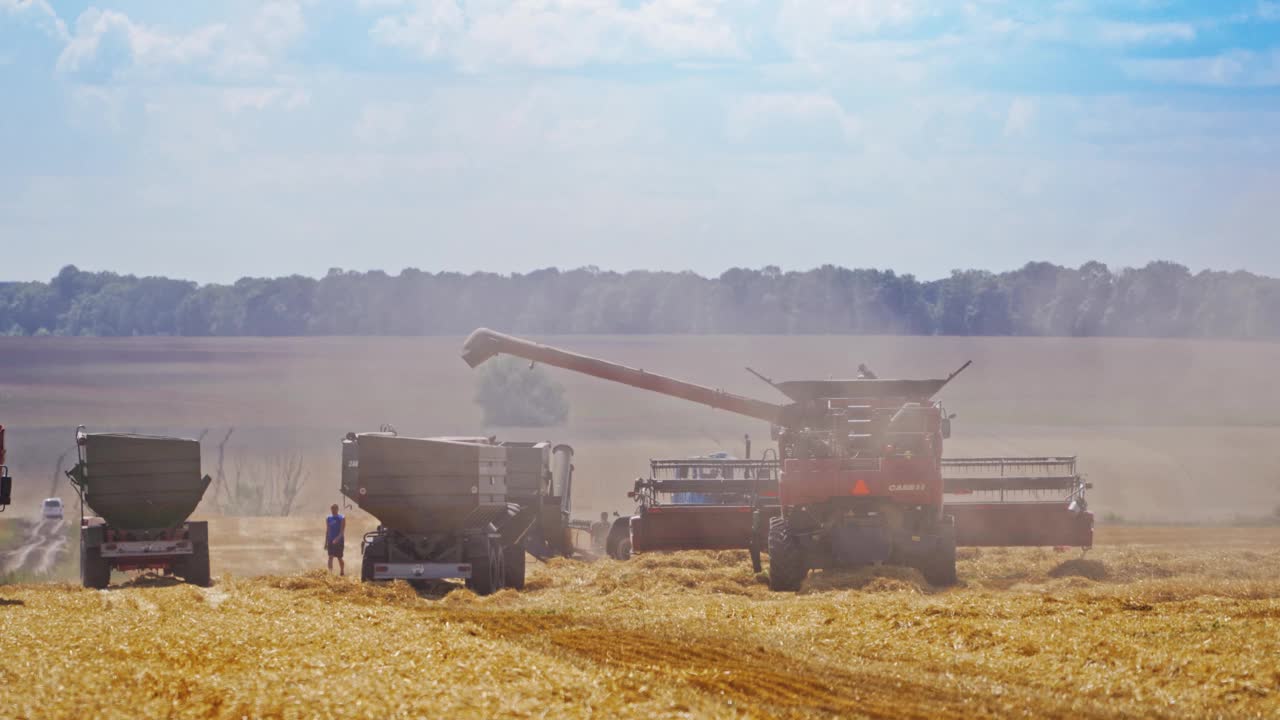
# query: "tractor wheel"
[[485, 555], [939, 568], [195, 569], [374, 553], [787, 568], [514, 562], [95, 571]]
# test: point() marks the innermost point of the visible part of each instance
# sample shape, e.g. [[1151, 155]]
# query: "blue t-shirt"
[[333, 528]]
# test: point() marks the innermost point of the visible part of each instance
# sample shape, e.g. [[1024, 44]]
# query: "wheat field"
[[1177, 623], [1169, 621]]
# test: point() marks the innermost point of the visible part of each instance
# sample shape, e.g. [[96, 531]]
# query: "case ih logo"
[[914, 487]]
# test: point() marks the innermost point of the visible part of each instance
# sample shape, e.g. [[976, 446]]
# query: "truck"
[[446, 506], [143, 489], [861, 477]]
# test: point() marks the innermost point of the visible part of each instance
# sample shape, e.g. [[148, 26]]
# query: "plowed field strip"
[[771, 683]]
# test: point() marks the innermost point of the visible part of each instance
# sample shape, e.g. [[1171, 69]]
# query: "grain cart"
[[861, 480], [443, 509], [142, 488]]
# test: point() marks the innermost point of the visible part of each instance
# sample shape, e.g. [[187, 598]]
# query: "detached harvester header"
[[862, 472]]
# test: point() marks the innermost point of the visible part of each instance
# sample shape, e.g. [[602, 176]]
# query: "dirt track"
[[43, 543]]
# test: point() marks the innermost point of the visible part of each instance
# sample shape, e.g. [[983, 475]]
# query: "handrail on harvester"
[[484, 344]]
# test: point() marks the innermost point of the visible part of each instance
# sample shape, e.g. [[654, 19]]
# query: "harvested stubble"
[[1168, 631]]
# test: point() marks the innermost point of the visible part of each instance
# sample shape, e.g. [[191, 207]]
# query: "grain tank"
[[443, 509], [143, 489]]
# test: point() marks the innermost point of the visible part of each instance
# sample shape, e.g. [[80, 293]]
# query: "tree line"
[[1162, 299]]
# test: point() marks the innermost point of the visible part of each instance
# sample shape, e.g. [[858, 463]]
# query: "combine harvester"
[[861, 477], [143, 489], [457, 508]]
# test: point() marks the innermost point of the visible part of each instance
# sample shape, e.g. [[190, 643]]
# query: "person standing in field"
[[334, 531]]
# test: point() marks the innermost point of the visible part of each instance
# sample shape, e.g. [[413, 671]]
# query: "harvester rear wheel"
[[196, 567], [787, 568], [485, 555], [514, 564], [939, 568], [95, 572]]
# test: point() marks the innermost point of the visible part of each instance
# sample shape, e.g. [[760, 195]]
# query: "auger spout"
[[484, 344]]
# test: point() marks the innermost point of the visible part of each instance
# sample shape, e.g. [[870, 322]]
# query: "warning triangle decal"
[[860, 488]]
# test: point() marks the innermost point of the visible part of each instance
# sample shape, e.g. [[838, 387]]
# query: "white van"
[[52, 509]]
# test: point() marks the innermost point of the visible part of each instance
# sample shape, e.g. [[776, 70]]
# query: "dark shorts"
[[335, 549]]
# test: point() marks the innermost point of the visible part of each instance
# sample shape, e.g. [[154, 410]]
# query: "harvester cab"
[[861, 479]]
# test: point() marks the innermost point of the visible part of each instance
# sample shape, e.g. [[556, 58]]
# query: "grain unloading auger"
[[862, 478]]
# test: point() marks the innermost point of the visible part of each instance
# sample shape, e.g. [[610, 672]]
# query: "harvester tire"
[[939, 568], [787, 568], [95, 571], [485, 555], [513, 566], [623, 550], [196, 568]]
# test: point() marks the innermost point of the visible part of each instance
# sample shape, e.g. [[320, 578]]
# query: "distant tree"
[[515, 395]]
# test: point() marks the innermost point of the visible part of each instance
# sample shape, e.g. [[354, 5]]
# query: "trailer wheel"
[[485, 555], [787, 568], [95, 571], [373, 554], [513, 566], [196, 570], [939, 567]]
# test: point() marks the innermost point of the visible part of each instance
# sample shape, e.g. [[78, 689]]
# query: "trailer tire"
[[95, 571], [939, 567], [787, 568], [514, 566], [372, 555], [196, 568], [485, 555]]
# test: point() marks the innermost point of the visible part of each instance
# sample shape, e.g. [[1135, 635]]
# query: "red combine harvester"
[[862, 476]]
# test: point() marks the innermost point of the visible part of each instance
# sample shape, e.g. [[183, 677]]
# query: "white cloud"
[[381, 124], [1022, 112], [111, 42], [428, 29], [1234, 68], [38, 12], [1129, 33], [558, 33], [791, 120], [99, 33], [236, 100]]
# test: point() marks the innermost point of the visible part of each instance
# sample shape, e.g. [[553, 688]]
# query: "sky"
[[211, 141]]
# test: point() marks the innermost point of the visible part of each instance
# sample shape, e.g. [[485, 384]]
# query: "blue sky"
[[215, 140]]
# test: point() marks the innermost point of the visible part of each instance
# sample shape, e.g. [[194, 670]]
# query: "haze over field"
[[1168, 430]]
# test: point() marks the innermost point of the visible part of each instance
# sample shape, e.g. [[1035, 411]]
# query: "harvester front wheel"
[[485, 555], [196, 570], [787, 568], [514, 562], [939, 568], [95, 571]]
